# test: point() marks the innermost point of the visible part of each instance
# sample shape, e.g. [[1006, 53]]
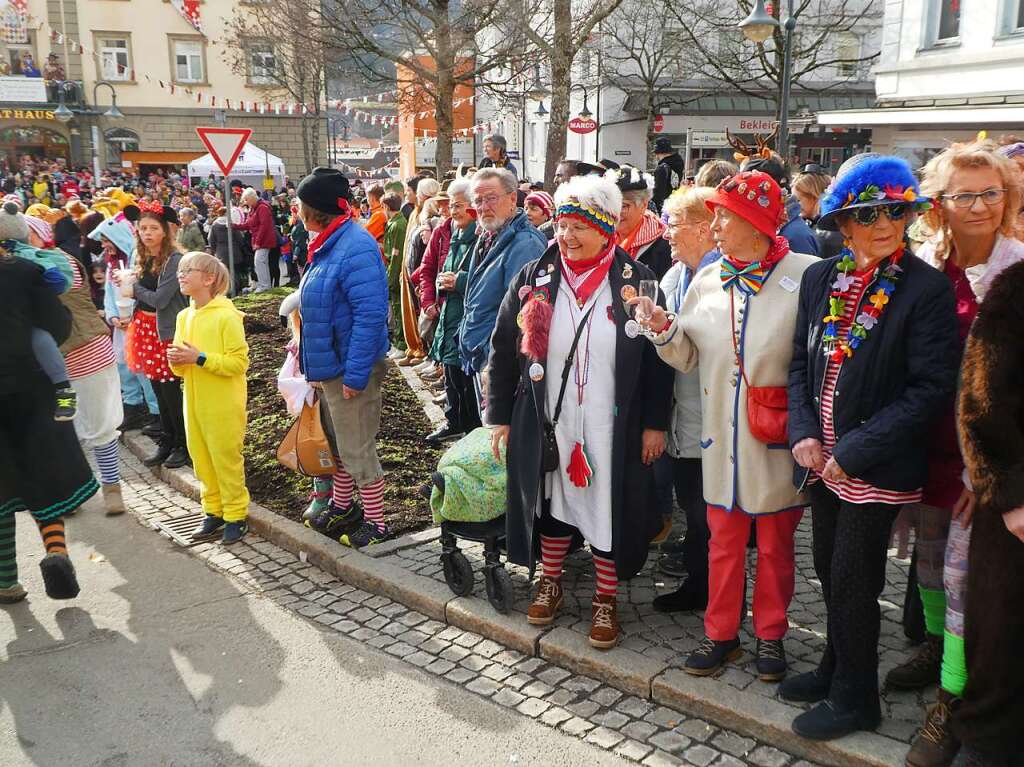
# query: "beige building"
[[134, 46]]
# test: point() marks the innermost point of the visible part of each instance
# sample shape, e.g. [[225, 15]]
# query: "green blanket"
[[474, 481]]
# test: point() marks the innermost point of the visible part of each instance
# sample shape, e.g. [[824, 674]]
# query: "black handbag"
[[548, 444]]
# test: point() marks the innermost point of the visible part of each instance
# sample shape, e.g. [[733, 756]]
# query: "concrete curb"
[[748, 713], [424, 395]]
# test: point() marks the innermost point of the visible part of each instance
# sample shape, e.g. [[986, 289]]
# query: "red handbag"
[[767, 406]]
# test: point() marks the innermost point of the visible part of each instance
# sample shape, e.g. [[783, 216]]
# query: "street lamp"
[[113, 112], [758, 27], [62, 113], [542, 111]]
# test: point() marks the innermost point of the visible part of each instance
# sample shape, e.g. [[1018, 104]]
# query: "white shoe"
[[425, 367], [396, 354]]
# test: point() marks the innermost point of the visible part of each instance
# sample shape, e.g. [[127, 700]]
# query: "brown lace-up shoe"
[[604, 622], [546, 603], [921, 670], [935, 745]]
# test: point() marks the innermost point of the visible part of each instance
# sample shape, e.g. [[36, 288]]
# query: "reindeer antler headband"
[[744, 151]]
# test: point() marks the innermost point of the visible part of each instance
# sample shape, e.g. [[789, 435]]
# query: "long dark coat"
[[991, 423], [643, 400]]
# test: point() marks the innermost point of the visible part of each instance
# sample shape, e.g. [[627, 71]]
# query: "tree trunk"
[[444, 93], [651, 135], [561, 81]]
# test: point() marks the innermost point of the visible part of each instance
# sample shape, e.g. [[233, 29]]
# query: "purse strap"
[[568, 363]]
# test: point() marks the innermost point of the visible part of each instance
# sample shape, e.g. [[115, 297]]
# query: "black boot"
[[162, 453], [810, 687], [153, 429], [59, 576], [135, 417], [684, 599], [178, 457], [829, 720]]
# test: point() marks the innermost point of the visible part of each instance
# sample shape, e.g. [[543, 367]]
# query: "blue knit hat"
[[869, 179]]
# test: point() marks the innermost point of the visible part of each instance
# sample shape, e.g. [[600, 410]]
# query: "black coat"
[[890, 390], [27, 302], [657, 257], [668, 176], [643, 400]]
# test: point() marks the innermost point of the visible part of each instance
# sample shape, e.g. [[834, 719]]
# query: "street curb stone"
[[510, 630], [769, 720], [627, 670]]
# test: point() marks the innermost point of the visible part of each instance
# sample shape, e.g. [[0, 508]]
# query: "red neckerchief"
[[584, 283], [647, 231], [320, 239]]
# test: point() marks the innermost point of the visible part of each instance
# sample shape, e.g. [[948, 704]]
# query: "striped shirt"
[[851, 490], [95, 355]]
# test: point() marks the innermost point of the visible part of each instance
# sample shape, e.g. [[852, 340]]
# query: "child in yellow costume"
[[211, 356]]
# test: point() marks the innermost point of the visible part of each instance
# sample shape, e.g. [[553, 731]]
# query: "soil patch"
[[406, 458]]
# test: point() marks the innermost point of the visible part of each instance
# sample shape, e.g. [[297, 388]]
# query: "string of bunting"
[[366, 172]]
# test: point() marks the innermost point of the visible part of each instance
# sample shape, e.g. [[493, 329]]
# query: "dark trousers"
[[688, 480], [275, 267], [461, 411], [172, 412], [850, 547]]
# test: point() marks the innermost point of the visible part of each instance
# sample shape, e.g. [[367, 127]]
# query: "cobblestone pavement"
[[578, 706], [670, 638]]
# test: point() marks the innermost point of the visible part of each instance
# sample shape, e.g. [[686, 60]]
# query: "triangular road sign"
[[224, 144]]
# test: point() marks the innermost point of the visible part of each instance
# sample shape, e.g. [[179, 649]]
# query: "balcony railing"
[[37, 93]]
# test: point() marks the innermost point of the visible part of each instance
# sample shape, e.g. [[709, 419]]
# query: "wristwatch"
[[202, 359]]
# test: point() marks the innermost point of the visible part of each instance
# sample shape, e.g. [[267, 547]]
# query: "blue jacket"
[[801, 238], [344, 309], [516, 245]]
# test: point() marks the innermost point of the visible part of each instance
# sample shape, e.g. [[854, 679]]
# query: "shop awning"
[[691, 103], [158, 158], [965, 115]]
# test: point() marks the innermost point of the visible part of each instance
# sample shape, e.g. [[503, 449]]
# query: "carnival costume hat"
[[41, 228], [630, 179], [13, 225], [76, 208], [165, 213], [591, 200], [45, 212], [542, 200], [753, 196], [866, 180], [118, 231], [325, 190]]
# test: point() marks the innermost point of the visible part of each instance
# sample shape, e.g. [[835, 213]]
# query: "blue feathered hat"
[[869, 179]]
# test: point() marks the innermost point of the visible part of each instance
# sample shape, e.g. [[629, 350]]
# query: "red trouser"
[[773, 589]]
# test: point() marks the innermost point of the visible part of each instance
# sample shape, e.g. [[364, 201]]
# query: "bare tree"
[[820, 59], [558, 30], [641, 54], [442, 45], [266, 43]]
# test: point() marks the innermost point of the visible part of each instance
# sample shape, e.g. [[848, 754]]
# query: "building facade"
[[948, 69], [156, 64]]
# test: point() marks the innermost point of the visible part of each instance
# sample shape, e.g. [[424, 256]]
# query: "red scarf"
[[585, 277], [336, 224]]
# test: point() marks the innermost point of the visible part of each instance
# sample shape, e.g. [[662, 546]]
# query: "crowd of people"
[[748, 346]]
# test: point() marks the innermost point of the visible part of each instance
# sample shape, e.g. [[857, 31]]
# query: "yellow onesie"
[[215, 397]]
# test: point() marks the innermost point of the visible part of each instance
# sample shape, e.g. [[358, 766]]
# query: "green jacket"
[[394, 240], [445, 348]]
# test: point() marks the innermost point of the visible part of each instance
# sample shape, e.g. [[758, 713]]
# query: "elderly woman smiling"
[[581, 404], [737, 322]]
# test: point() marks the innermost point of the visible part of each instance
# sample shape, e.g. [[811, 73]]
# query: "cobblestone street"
[[576, 705]]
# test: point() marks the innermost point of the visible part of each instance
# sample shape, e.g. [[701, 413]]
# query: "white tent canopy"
[[250, 168]]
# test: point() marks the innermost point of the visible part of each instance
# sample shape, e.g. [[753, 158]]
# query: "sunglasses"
[[868, 215]]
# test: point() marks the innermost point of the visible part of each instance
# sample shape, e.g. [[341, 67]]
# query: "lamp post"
[[758, 27], [113, 113], [585, 113]]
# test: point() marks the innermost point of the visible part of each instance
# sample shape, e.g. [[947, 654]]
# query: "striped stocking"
[[8, 561], [107, 459], [607, 580], [53, 536], [552, 554], [343, 488], [373, 503]]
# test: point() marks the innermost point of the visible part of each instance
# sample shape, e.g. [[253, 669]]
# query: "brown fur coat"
[[991, 423]]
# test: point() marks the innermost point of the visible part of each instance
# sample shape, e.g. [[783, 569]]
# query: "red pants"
[[773, 589]]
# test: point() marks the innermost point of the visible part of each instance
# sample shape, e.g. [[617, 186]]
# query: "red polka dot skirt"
[[144, 352]]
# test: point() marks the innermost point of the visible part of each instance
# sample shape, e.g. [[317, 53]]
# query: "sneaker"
[[684, 599], [162, 453], [318, 503], [234, 532], [334, 522], [770, 660], [711, 655], [407, 361], [179, 457], [935, 745], [546, 602], [604, 622], [923, 668], [113, 500], [829, 720], [367, 534], [209, 528], [59, 576], [12, 594], [67, 405]]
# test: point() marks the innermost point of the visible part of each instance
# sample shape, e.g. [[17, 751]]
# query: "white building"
[[948, 69]]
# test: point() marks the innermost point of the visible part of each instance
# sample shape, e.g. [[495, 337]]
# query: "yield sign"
[[225, 144]]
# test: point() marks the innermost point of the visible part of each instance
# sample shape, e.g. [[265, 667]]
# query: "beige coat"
[[739, 471]]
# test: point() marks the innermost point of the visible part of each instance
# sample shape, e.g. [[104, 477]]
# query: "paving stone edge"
[[631, 672]]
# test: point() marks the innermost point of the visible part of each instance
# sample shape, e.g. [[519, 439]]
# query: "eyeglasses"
[[486, 202], [966, 199], [868, 214]]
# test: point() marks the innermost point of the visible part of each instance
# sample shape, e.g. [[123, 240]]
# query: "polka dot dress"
[[144, 351]]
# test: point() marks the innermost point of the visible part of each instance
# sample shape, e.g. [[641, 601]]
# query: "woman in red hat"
[[736, 323]]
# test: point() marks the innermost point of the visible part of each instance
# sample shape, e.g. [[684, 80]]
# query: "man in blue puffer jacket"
[[344, 306], [508, 242]]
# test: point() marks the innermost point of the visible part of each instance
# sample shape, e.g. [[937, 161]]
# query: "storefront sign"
[[749, 125], [708, 139], [582, 125], [29, 89], [26, 114], [426, 152]]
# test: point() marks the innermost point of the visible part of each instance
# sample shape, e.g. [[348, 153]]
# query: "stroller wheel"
[[499, 589], [458, 573]]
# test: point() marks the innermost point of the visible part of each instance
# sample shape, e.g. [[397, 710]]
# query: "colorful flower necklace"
[[842, 348]]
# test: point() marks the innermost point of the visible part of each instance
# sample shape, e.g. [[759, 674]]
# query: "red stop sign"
[[582, 125], [659, 123]]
